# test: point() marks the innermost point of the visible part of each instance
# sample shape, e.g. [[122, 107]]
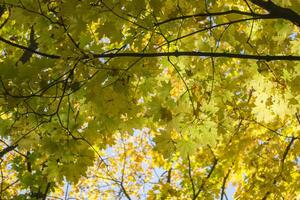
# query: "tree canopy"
[[149, 99]]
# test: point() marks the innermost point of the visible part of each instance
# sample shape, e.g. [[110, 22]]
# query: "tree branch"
[[224, 185], [207, 177], [200, 54], [208, 14], [7, 149], [278, 12], [164, 54], [191, 177], [286, 151], [29, 49]]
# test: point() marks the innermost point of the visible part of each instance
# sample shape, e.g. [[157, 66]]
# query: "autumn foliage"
[[149, 99]]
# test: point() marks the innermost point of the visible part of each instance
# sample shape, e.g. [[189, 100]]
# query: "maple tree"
[[149, 99]]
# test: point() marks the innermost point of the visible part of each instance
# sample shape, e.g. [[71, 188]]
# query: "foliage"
[[149, 99]]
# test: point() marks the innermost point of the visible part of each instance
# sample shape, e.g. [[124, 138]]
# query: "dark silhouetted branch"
[[165, 54], [261, 16], [278, 12], [200, 54], [29, 49]]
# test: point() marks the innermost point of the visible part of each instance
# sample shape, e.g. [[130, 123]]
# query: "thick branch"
[[200, 54], [164, 54], [7, 149], [278, 12]]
